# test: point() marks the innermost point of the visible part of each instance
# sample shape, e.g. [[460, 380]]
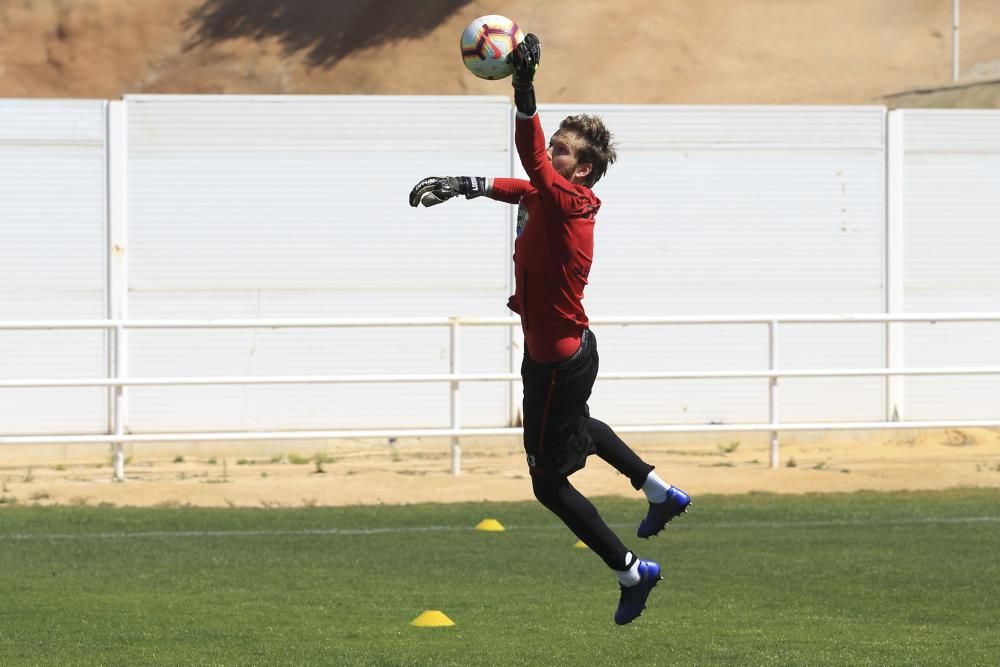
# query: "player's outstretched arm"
[[525, 59], [434, 190]]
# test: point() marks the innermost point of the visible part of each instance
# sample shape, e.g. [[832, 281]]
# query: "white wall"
[[951, 246], [246, 207], [739, 210], [52, 260]]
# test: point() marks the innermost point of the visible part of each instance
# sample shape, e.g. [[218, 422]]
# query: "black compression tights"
[[578, 513], [617, 454]]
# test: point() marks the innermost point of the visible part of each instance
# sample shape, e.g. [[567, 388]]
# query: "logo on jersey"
[[522, 219]]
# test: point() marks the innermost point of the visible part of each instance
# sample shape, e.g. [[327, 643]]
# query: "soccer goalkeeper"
[[552, 258]]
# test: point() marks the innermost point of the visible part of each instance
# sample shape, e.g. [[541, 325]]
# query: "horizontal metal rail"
[[313, 323], [484, 377], [381, 434], [455, 378]]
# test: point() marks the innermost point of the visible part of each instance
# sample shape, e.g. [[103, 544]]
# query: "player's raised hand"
[[525, 59], [435, 190]]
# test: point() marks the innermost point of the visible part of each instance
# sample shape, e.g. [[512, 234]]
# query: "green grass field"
[[856, 579]]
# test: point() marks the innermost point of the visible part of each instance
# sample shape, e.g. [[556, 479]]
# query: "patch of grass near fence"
[[902, 578]]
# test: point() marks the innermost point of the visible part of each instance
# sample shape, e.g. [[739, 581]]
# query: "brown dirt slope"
[[630, 51]]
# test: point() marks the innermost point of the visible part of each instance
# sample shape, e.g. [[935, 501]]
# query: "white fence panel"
[[739, 210], [247, 207], [52, 260], [951, 249], [244, 207]]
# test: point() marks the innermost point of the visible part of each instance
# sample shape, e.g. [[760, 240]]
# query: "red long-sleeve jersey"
[[554, 248]]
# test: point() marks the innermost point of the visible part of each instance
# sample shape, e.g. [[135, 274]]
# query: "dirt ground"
[[310, 474], [629, 51]]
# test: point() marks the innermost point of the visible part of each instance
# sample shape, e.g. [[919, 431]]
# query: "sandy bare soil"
[[347, 474], [630, 51]]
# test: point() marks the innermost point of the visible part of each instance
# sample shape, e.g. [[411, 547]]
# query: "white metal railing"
[[118, 382]]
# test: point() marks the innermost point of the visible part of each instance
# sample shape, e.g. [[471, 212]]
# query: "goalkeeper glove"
[[434, 190], [525, 60]]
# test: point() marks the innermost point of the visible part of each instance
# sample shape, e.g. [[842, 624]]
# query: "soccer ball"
[[486, 43]]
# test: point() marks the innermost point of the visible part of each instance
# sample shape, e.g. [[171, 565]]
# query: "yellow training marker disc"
[[489, 524], [432, 618]]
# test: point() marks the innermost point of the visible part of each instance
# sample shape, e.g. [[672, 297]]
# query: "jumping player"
[[552, 258]]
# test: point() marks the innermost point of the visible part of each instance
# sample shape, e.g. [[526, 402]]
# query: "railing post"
[[121, 405], [895, 257], [772, 387], [117, 271], [456, 404], [954, 40]]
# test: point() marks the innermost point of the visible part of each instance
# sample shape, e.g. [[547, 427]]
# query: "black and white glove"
[[525, 60], [434, 190]]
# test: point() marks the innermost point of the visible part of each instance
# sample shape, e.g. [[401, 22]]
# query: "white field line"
[[450, 529]]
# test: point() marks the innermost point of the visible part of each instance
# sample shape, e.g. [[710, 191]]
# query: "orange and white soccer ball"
[[485, 45]]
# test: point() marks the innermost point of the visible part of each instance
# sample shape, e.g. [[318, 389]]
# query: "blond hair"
[[594, 144]]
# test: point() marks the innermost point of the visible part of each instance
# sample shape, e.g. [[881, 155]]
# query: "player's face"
[[562, 153]]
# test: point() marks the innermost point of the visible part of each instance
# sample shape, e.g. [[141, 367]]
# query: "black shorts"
[[556, 437]]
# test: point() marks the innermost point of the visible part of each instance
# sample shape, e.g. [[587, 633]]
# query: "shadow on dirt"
[[324, 30]]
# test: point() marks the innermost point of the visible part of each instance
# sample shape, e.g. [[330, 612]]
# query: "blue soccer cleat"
[[633, 598], [660, 514]]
